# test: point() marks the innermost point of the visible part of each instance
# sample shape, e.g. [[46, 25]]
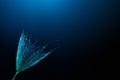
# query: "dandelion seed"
[[28, 54]]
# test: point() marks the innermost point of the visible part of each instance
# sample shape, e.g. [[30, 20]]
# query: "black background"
[[89, 38]]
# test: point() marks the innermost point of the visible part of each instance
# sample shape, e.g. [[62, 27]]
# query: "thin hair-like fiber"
[[28, 54]]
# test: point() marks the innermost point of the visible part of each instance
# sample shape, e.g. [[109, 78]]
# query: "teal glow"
[[28, 54]]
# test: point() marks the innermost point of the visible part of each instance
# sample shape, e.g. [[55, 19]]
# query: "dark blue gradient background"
[[88, 31]]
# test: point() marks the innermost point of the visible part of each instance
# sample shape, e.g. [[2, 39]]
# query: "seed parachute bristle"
[[28, 54]]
